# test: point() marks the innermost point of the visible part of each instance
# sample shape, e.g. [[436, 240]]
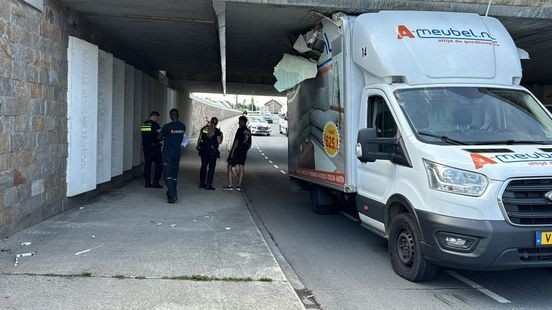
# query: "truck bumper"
[[498, 245]]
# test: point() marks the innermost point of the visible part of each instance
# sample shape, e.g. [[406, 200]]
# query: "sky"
[[259, 100]]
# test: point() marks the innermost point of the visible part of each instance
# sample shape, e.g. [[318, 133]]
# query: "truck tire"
[[321, 200], [407, 257]]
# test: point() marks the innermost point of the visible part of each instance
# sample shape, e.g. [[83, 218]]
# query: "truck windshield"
[[477, 116]]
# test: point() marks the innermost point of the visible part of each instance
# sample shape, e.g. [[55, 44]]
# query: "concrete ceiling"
[[181, 36]]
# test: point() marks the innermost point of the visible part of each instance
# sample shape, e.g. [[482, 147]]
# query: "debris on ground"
[[26, 243], [81, 208], [18, 256], [88, 250], [173, 225], [228, 228], [159, 224], [93, 237]]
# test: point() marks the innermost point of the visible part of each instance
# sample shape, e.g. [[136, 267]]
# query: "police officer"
[[151, 145], [172, 134], [210, 137]]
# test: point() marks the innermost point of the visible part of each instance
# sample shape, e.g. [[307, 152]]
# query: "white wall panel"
[[129, 117], [105, 99], [82, 109], [171, 103], [138, 97], [145, 96], [117, 120], [162, 100]]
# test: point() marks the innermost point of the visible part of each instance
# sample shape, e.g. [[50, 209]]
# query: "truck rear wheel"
[[407, 257], [321, 200]]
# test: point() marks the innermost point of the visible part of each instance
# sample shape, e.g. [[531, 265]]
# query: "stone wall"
[[33, 107], [202, 109]]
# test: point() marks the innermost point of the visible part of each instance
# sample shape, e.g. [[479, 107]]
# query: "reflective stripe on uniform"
[[145, 127]]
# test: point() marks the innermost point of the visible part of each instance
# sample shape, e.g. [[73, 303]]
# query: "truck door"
[[374, 178]]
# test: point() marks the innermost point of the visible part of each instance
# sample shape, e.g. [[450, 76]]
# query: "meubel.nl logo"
[[448, 33]]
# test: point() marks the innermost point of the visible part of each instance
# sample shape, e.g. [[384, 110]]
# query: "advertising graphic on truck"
[[315, 119], [420, 120]]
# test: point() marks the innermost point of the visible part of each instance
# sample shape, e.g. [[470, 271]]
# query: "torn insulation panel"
[[292, 70]]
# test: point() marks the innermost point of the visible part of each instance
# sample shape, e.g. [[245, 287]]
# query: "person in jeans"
[[210, 137], [172, 134], [238, 154]]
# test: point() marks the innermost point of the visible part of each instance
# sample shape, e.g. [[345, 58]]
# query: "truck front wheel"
[[407, 257]]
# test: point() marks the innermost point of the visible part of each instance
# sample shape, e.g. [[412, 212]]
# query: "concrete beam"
[[232, 88], [541, 9]]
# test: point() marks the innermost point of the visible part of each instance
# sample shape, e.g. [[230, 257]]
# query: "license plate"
[[544, 237]]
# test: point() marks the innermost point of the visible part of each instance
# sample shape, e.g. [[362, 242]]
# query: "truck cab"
[[453, 156]]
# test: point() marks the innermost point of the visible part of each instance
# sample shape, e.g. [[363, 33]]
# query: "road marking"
[[478, 287], [262, 154], [270, 161], [282, 171], [260, 151], [266, 157], [276, 167]]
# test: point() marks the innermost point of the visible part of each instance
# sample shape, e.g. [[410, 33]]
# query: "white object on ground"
[[173, 225], [17, 256], [81, 208], [159, 224], [228, 228], [26, 243], [88, 250], [93, 237]]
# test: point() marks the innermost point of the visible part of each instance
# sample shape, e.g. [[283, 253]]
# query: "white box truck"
[[419, 117]]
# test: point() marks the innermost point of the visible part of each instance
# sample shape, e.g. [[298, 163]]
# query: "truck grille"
[[525, 202], [535, 254]]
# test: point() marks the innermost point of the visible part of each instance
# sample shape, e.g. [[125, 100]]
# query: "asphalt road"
[[347, 267]]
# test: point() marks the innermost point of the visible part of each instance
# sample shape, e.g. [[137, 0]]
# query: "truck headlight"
[[457, 181]]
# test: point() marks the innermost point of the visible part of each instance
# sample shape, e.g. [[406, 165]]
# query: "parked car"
[[258, 126], [267, 116], [283, 123]]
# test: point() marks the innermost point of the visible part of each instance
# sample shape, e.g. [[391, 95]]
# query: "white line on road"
[[276, 167], [478, 287], [270, 161], [260, 151], [266, 157], [282, 171], [262, 154]]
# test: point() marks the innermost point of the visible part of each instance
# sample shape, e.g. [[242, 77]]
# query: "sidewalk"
[[130, 249]]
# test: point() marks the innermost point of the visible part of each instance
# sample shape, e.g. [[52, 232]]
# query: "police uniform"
[[151, 146], [172, 134], [209, 152]]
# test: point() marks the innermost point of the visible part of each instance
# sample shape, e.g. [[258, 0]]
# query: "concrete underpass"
[[259, 249]]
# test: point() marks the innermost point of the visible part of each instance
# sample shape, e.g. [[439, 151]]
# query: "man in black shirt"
[[238, 153], [151, 145], [172, 134], [210, 137]]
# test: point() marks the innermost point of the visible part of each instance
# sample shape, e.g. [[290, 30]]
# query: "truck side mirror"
[[369, 145]]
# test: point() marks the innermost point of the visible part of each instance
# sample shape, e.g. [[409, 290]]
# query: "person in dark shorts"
[[210, 137], [238, 154], [172, 134]]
